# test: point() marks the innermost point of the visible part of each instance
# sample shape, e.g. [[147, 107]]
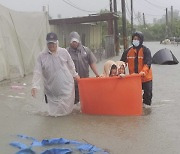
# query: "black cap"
[[51, 38]]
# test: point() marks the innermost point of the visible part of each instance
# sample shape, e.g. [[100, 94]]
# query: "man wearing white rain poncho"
[[57, 70]]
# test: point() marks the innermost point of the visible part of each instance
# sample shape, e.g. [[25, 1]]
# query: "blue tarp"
[[78, 146]]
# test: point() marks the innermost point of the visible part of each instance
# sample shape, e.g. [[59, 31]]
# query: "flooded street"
[[155, 132]]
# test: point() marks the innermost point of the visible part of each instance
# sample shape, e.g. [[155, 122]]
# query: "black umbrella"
[[164, 57]]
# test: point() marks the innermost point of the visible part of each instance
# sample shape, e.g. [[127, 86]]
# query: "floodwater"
[[155, 132]]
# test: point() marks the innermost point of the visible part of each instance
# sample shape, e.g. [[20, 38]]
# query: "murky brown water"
[[156, 131]]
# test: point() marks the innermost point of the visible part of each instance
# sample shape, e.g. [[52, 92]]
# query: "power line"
[[148, 7], [136, 17], [157, 6], [127, 8], [151, 8], [70, 3], [105, 7], [129, 12]]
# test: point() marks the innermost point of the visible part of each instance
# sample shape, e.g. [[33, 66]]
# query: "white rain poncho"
[[57, 71]]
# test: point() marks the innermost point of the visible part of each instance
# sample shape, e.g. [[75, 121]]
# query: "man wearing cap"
[[83, 58], [57, 70]]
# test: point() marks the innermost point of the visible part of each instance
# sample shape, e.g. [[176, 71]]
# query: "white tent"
[[22, 37]]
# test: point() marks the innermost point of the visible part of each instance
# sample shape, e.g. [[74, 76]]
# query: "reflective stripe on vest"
[[132, 54]]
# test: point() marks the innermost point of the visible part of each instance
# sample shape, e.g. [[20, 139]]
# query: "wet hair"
[[113, 67], [123, 69]]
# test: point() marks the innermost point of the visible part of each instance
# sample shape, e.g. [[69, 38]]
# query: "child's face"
[[113, 72], [121, 70]]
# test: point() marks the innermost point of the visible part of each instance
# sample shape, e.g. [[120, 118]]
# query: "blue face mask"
[[136, 43]]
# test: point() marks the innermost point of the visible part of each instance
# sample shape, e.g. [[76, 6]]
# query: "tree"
[[156, 31]]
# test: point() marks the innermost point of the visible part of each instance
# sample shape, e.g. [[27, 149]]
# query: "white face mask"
[[136, 43]]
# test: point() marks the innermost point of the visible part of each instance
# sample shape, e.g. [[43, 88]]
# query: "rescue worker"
[[83, 58], [138, 57]]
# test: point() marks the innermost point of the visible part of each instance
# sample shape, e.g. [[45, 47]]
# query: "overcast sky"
[[73, 8]]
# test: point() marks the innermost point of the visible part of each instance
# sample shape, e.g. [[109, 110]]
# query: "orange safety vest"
[[141, 66]]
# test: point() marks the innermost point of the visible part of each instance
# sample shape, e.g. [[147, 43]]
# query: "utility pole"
[[144, 21], [167, 29], [47, 16], [125, 43], [132, 26], [110, 22], [172, 20], [44, 8], [116, 33], [110, 5]]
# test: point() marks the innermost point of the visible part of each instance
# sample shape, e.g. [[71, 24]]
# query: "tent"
[[164, 56], [22, 37]]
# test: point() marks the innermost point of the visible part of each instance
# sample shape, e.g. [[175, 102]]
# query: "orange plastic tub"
[[111, 96]]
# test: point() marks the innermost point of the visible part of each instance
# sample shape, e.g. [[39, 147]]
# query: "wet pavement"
[[156, 131]]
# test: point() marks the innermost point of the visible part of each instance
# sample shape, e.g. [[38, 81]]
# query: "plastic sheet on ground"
[[55, 146]]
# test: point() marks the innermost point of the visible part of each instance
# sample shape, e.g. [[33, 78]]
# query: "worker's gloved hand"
[[142, 73]]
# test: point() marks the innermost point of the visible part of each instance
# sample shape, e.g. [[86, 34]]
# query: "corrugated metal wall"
[[90, 34]]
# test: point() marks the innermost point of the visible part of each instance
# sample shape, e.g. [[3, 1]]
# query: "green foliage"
[[104, 11], [154, 32], [176, 28], [158, 31]]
